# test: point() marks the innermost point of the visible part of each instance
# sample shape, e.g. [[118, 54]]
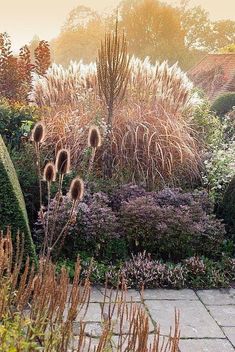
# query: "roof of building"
[[215, 74]]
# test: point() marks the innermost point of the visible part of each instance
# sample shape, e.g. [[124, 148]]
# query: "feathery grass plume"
[[76, 190], [49, 173], [94, 137], [63, 161], [39, 132], [152, 137]]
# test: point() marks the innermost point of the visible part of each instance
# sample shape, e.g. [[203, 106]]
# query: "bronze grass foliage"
[[44, 306], [152, 140]]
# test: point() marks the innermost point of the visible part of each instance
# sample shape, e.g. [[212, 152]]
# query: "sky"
[[22, 19]]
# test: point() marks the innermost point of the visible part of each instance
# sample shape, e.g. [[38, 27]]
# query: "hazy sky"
[[24, 18]]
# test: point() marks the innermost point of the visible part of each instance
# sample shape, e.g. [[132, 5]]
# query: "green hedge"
[[12, 206]]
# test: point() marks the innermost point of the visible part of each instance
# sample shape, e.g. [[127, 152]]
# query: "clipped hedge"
[[223, 104], [12, 206]]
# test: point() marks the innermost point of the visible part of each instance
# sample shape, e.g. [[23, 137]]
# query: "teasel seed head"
[[76, 190], [58, 147], [63, 161], [39, 132], [49, 173], [94, 137]]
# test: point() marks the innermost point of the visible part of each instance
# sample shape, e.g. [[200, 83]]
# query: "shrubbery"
[[223, 104], [171, 224], [219, 170], [16, 120]]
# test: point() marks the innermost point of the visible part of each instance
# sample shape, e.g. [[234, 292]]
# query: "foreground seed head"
[[39, 132], [63, 161], [49, 173], [94, 137], [76, 190]]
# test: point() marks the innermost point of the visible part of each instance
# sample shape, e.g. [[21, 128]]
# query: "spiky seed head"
[[76, 190], [63, 161], [38, 133], [49, 173], [94, 137]]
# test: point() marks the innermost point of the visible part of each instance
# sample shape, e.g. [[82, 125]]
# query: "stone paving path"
[[207, 317]]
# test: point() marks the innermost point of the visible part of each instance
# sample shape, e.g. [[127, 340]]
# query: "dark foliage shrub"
[[94, 229], [23, 159], [227, 208], [171, 225], [223, 104], [125, 193], [12, 206]]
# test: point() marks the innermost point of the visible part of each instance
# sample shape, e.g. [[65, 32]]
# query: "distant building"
[[214, 74]]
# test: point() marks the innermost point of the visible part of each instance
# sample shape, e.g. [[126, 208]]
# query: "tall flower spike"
[[94, 137], [39, 132], [76, 190], [49, 173], [63, 161]]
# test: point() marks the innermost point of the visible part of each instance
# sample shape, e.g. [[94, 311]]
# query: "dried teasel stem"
[[94, 142], [76, 193], [38, 136], [62, 166], [49, 175]]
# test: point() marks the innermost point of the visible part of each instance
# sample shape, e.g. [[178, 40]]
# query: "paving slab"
[[164, 294], [93, 313], [130, 295], [96, 295], [217, 297], [230, 334], [116, 311], [88, 345], [122, 342], [206, 345], [194, 318], [224, 315]]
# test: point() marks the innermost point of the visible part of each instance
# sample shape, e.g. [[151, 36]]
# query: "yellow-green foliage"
[[12, 206]]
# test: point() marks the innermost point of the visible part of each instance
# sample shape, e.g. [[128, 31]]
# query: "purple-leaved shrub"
[[171, 225]]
